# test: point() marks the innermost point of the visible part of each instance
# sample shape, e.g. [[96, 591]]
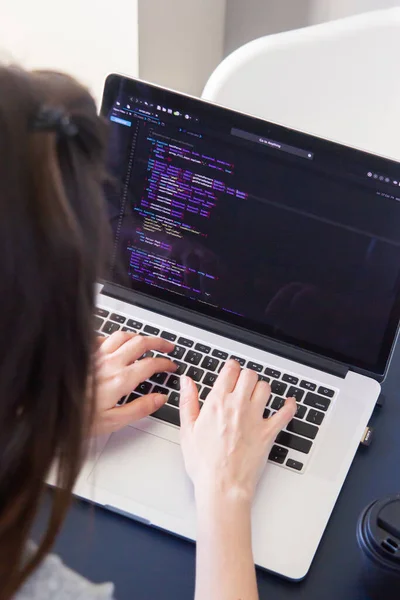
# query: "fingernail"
[[231, 363], [294, 400], [184, 383], [159, 400]]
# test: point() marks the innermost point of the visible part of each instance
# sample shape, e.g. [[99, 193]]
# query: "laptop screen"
[[255, 224]]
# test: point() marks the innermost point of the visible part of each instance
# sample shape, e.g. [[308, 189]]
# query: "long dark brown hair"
[[52, 227]]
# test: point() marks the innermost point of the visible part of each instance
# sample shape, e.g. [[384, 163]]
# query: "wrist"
[[223, 517], [219, 498]]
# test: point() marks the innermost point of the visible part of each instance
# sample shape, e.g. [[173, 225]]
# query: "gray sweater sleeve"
[[52, 580]]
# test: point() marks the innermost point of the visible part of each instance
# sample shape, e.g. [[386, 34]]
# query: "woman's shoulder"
[[54, 580]]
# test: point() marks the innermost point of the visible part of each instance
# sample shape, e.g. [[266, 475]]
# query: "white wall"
[[326, 10], [80, 37], [180, 41], [247, 20]]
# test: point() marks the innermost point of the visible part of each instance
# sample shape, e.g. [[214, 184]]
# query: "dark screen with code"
[[276, 235]]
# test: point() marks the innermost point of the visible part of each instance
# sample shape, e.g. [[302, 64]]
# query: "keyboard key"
[[174, 382], [294, 441], [241, 361], [101, 312], [277, 387], [295, 392], [220, 354], [254, 367], [195, 373], [148, 354], [181, 367], [315, 401], [173, 399], [307, 385], [110, 327], [151, 330], [128, 329], [263, 378], [266, 414], [121, 401], [166, 335], [177, 352], [326, 392], [290, 379], [205, 393], [294, 464], [301, 411], [134, 324], [209, 363], [272, 373], [277, 403], [98, 323], [314, 416], [203, 348], [302, 428], [278, 454], [159, 378], [185, 342], [221, 367], [143, 388], [117, 318], [193, 358], [132, 397], [210, 379], [169, 414], [158, 389]]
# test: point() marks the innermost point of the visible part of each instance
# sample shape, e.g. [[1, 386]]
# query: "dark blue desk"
[[146, 564]]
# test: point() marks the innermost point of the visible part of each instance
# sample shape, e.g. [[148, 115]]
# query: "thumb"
[[189, 407], [282, 417], [139, 408]]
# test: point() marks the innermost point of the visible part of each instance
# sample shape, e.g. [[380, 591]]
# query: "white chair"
[[338, 80]]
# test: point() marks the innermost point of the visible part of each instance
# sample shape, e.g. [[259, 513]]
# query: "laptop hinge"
[[231, 331]]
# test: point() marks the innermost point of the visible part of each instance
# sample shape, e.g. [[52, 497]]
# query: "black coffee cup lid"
[[382, 529]]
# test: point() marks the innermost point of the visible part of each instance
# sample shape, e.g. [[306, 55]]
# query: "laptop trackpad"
[[145, 468]]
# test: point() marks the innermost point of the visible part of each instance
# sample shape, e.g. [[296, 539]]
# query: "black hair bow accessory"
[[54, 119]]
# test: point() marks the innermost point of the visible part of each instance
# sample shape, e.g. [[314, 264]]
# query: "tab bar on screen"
[[251, 137]]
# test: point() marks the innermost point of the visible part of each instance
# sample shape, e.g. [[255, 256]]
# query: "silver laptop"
[[235, 237]]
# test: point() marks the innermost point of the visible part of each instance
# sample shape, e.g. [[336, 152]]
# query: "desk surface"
[[146, 564]]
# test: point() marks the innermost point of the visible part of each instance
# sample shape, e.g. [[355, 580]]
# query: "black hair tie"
[[54, 119]]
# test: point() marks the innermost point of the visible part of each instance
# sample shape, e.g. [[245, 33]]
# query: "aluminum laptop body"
[[238, 237]]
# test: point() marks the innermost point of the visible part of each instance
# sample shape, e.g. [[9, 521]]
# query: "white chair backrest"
[[338, 80]]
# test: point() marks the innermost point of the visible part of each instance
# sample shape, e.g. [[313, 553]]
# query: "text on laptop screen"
[[266, 228]]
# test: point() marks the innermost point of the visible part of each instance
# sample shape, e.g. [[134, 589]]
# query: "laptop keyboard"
[[202, 363]]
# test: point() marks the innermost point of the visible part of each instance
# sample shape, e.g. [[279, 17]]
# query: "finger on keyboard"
[[138, 345]]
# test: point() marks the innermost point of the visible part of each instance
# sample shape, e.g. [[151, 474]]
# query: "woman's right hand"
[[226, 444]]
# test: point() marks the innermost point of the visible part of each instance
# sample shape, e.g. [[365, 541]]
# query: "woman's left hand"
[[118, 372]]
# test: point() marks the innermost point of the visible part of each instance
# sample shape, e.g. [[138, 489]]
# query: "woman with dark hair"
[[60, 385]]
